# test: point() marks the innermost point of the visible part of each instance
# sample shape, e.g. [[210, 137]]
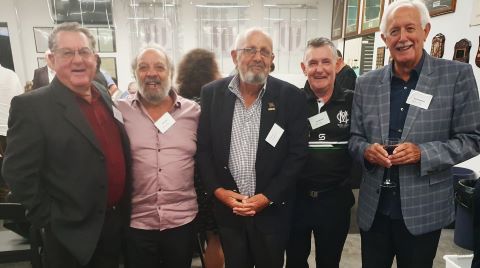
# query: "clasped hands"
[[242, 205], [404, 153]]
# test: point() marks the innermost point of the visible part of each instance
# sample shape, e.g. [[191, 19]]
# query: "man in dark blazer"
[[252, 143], [346, 76], [44, 75], [65, 158], [431, 105]]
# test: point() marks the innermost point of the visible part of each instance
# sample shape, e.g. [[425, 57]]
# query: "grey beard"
[[255, 79], [157, 96]]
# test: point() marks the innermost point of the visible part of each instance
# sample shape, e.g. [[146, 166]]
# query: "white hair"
[[242, 37], [417, 4]]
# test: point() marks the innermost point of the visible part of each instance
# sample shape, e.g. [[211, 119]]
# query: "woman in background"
[[197, 68]]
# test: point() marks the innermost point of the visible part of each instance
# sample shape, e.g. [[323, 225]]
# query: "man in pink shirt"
[[162, 127]]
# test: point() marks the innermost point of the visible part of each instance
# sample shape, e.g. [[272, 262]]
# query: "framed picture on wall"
[[351, 18], [41, 38], [371, 15], [109, 64], [105, 38], [475, 14], [440, 7], [41, 62], [380, 57], [337, 19]]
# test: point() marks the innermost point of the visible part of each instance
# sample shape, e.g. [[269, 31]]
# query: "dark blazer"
[[277, 168], [40, 77], [448, 132], [55, 166]]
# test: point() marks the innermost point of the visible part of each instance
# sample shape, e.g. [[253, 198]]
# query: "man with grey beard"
[[162, 127], [252, 143]]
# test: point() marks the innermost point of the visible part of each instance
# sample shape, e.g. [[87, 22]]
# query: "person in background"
[[9, 87], [104, 78], [345, 75], [252, 144], [43, 75], [65, 158], [28, 86], [190, 80], [431, 107], [324, 197], [132, 87], [162, 127]]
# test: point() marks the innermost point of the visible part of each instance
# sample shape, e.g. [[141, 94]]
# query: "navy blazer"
[[277, 168], [56, 169]]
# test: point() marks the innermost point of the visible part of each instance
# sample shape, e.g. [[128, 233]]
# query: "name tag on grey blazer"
[[419, 99]]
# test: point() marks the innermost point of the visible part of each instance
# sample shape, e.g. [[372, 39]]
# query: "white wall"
[[455, 26], [23, 15]]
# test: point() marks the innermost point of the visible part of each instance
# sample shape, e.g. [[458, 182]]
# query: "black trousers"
[[171, 248], [328, 217], [388, 238], [107, 252], [247, 247]]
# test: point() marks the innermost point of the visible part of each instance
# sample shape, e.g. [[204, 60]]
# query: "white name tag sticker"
[[419, 99], [165, 122], [319, 120], [117, 114], [274, 135]]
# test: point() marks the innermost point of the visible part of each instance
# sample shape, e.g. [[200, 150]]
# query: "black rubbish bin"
[[465, 199]]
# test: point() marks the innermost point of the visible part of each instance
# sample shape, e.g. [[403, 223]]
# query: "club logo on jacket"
[[343, 120]]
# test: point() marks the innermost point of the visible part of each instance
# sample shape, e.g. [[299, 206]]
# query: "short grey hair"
[[417, 4], [70, 27], [158, 48], [321, 42], [242, 37]]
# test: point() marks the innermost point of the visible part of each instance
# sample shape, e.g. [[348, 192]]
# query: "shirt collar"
[[336, 94], [416, 70], [234, 87]]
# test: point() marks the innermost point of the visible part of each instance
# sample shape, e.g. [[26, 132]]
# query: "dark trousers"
[[170, 248], [247, 247], [389, 237], [107, 252], [328, 217]]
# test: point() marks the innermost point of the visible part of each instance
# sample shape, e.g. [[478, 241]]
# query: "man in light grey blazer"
[[432, 106]]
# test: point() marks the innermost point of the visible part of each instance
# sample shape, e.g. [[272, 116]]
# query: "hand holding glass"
[[389, 145]]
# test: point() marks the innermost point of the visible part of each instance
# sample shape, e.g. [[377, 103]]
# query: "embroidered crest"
[[343, 120]]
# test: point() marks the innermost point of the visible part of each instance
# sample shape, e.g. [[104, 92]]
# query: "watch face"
[[477, 58], [438, 46], [462, 50]]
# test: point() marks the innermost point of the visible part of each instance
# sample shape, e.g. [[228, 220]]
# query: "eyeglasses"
[[68, 54], [252, 51]]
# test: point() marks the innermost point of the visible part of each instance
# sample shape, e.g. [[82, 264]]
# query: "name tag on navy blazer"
[[274, 135]]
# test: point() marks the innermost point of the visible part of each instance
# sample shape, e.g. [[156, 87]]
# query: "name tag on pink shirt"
[[165, 122]]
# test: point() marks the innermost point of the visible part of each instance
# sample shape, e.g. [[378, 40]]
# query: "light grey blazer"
[[448, 132]]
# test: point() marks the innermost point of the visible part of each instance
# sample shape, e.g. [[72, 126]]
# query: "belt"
[[316, 193]]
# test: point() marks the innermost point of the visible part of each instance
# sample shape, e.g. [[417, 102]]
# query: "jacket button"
[[225, 167]]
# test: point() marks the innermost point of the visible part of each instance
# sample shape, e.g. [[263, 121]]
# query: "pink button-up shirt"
[[163, 193]]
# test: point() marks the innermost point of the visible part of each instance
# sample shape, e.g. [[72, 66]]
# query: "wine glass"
[[389, 145]]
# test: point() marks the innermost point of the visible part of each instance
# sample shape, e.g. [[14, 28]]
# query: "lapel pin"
[[271, 106]]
